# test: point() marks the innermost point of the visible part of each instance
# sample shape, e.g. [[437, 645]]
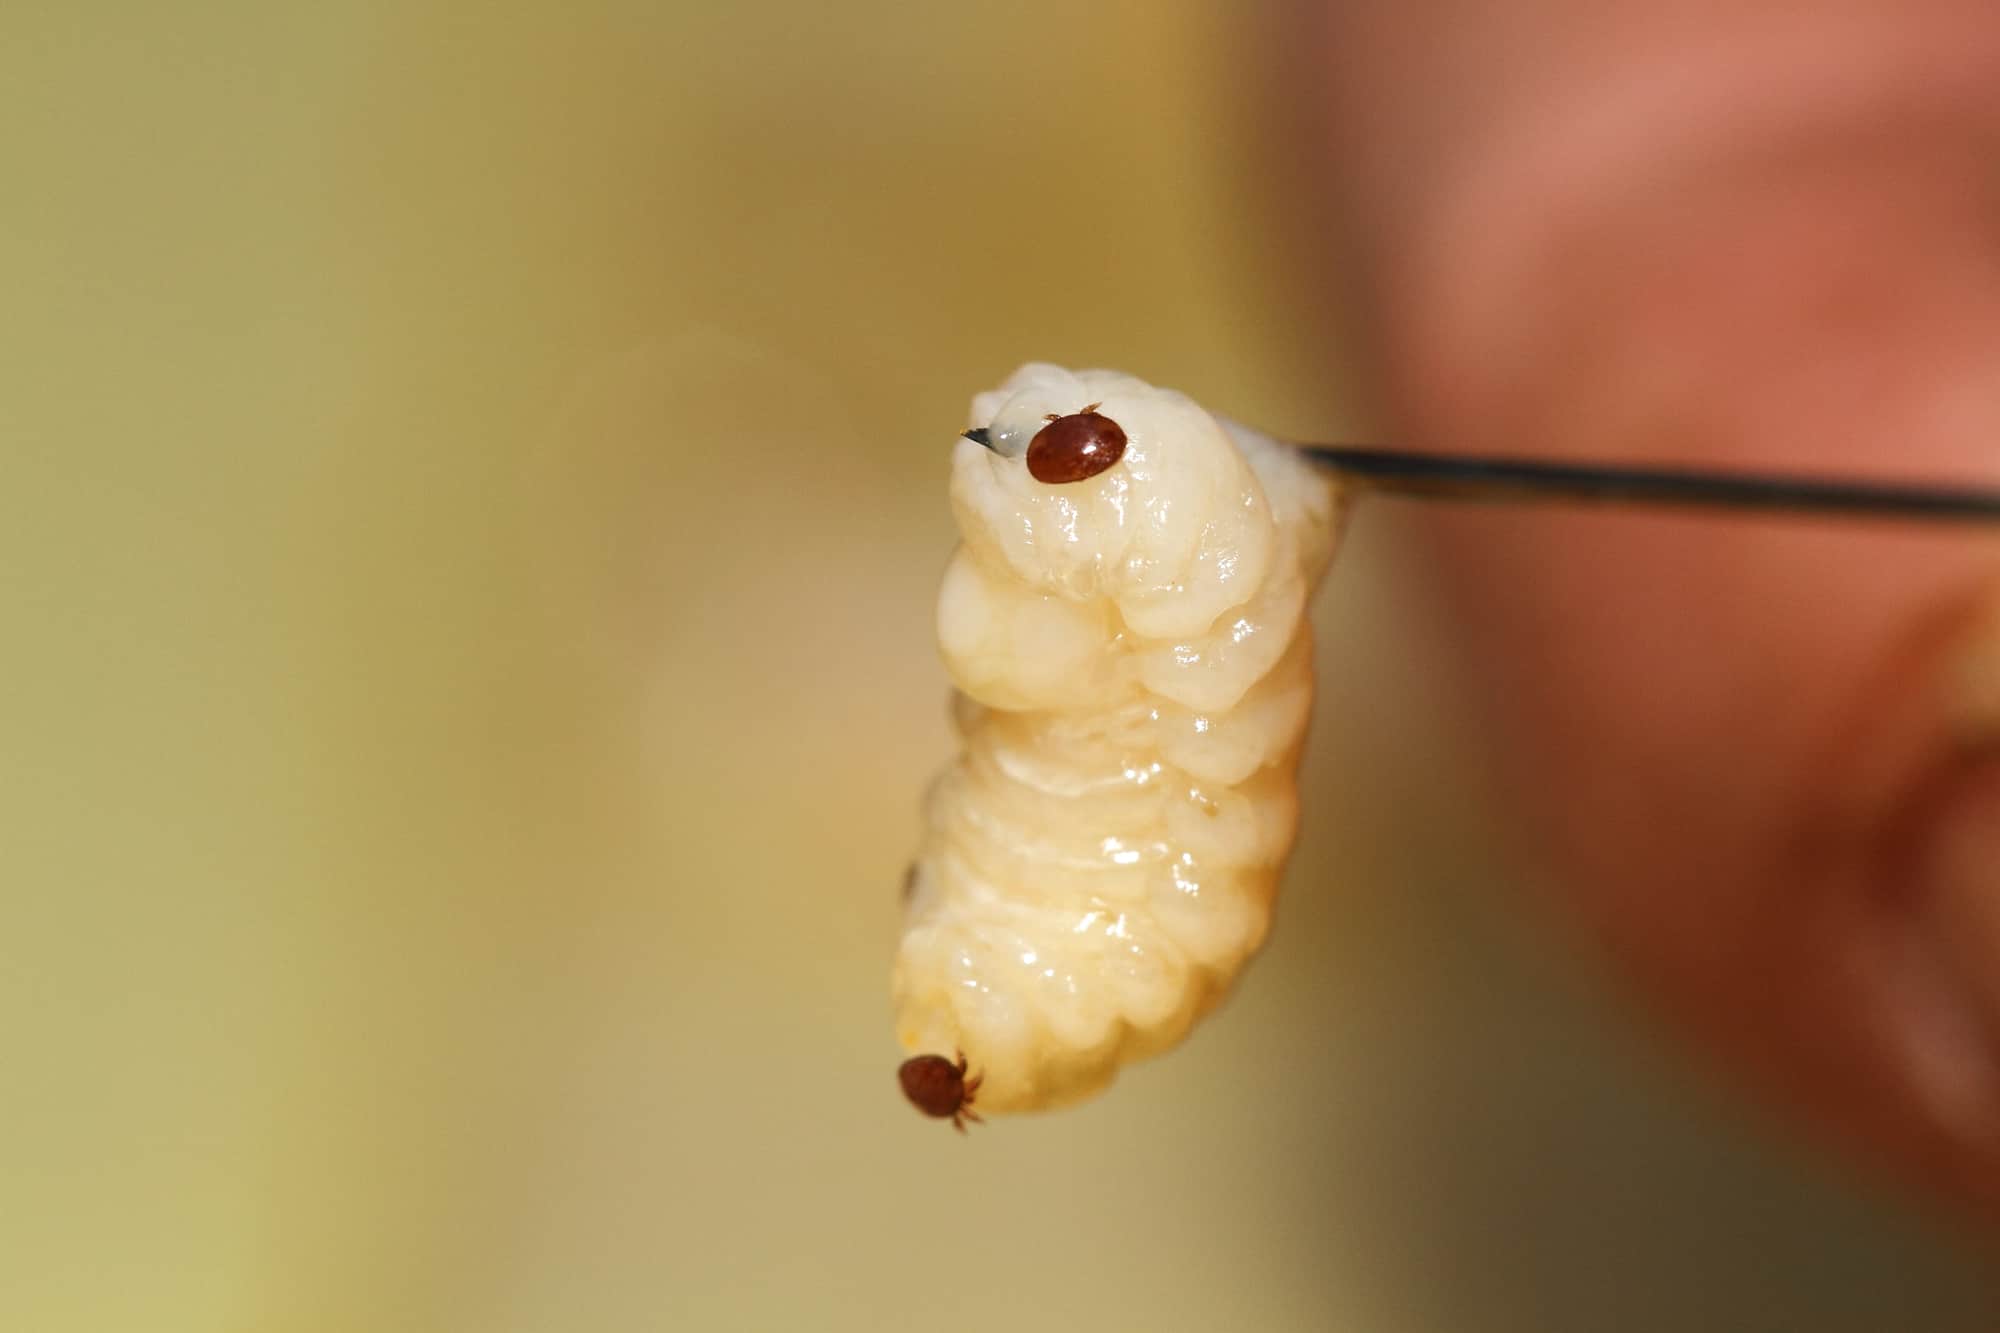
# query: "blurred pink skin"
[[1751, 235]]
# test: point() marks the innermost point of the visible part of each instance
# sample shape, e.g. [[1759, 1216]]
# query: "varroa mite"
[[939, 1088], [1075, 447]]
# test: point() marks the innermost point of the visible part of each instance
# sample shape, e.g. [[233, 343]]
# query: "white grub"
[[1134, 673]]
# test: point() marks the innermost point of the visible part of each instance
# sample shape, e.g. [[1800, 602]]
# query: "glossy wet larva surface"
[[1134, 676]]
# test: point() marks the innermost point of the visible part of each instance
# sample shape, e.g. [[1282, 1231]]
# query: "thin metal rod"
[[1520, 480], [1530, 481]]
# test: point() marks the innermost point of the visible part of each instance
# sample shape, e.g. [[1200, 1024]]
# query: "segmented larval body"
[[1134, 674]]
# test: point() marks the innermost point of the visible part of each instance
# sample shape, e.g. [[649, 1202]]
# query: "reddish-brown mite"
[[1075, 447], [939, 1088]]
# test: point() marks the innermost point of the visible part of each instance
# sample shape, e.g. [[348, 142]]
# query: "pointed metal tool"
[[1534, 481]]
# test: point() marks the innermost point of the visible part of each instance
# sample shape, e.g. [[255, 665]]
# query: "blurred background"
[[471, 517]]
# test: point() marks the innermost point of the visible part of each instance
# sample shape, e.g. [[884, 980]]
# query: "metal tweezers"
[[1523, 480]]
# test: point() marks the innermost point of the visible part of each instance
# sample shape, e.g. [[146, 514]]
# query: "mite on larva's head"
[[1125, 622], [1075, 447]]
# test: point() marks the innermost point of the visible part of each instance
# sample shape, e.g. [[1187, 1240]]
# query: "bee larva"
[[1125, 622]]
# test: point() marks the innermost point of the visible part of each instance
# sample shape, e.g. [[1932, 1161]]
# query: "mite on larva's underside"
[[1125, 622]]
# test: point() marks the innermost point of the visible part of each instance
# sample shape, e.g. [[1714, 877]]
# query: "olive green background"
[[471, 509]]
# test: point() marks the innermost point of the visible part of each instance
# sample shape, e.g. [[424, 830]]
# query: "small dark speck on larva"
[[939, 1088], [909, 883], [1075, 447]]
